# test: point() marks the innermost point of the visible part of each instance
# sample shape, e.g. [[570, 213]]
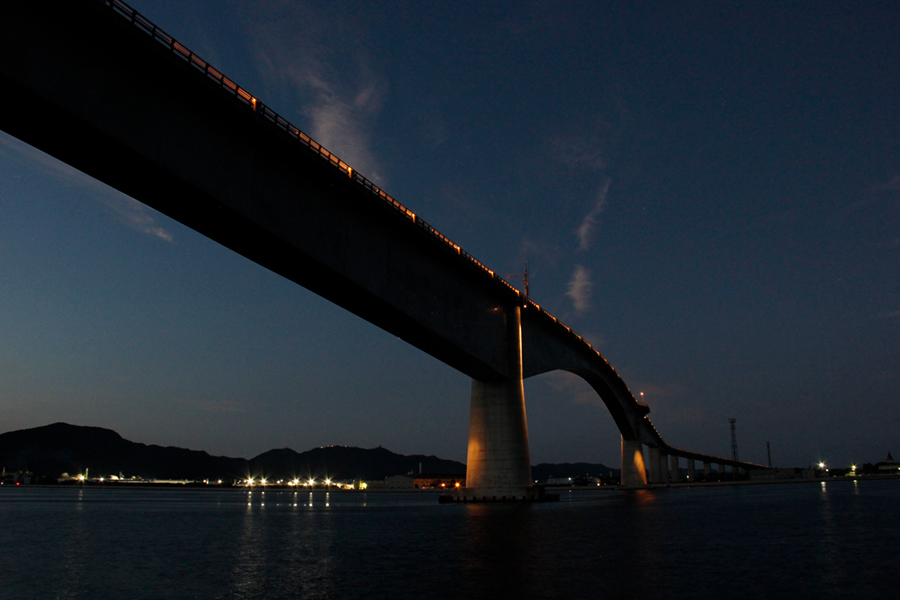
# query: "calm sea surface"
[[809, 540]]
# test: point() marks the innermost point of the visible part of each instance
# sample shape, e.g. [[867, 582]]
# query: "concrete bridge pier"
[[673, 469], [692, 470], [707, 468], [633, 474], [653, 458], [498, 461]]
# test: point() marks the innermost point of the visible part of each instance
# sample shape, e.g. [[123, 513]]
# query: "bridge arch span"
[[549, 346]]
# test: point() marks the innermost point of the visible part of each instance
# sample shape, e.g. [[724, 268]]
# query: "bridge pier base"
[[498, 461], [633, 474], [674, 473], [653, 458], [692, 470]]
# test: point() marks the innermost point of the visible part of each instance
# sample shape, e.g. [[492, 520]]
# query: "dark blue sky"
[[708, 192]]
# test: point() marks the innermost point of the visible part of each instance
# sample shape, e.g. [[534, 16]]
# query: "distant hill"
[[346, 462], [60, 448]]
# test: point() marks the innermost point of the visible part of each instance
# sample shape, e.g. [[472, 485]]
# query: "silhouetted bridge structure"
[[98, 86]]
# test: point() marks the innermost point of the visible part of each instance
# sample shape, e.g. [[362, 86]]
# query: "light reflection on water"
[[830, 541]]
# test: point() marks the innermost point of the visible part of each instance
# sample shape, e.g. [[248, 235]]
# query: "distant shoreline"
[[768, 481], [437, 491]]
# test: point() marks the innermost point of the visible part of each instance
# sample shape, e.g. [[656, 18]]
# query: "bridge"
[[98, 86]]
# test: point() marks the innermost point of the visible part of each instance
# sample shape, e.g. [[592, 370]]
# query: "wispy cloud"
[[433, 125], [591, 220], [341, 119], [587, 151], [127, 210], [137, 216], [12, 148], [590, 141], [579, 152], [893, 184], [579, 289], [335, 88]]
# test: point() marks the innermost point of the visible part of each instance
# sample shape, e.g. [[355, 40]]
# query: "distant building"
[[398, 482], [888, 465], [422, 481], [772, 474], [16, 477]]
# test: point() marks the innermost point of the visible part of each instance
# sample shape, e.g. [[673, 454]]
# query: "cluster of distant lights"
[[311, 483], [823, 467], [307, 483]]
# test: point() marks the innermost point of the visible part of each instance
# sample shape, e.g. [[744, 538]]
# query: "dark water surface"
[[809, 540]]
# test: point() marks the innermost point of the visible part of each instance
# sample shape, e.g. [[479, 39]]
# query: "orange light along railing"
[[216, 76]]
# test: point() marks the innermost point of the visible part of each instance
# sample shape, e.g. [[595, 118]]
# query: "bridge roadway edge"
[[234, 206]]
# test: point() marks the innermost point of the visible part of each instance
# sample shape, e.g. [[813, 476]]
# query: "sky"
[[708, 192]]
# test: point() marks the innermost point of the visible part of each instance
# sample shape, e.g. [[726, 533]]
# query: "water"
[[834, 540]]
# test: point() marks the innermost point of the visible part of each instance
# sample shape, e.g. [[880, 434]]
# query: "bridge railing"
[[240, 94]]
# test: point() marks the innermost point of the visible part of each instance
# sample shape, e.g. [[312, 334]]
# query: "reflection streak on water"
[[284, 553]]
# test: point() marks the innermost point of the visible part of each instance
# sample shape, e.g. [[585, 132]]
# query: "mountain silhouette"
[[60, 448], [52, 450]]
